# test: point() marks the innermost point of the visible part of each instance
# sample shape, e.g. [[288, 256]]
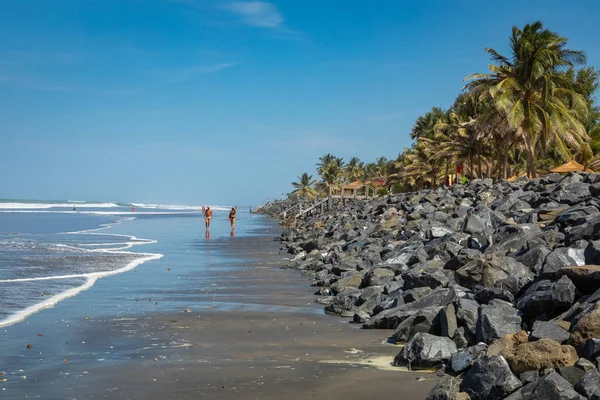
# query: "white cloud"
[[257, 13]]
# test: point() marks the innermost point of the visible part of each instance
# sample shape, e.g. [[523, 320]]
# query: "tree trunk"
[[479, 160], [447, 173], [530, 156]]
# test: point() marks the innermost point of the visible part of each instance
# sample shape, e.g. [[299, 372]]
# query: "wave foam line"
[[17, 206], [53, 300]]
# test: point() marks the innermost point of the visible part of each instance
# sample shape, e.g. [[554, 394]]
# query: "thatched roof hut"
[[571, 166]]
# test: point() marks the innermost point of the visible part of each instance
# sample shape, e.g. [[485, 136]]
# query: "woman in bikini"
[[207, 217], [232, 217]]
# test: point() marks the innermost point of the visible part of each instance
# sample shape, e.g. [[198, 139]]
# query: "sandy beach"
[[253, 331]]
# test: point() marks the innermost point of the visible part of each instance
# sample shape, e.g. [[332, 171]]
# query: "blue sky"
[[205, 101]]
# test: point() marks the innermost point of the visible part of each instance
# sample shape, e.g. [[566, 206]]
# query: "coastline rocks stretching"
[[496, 284]]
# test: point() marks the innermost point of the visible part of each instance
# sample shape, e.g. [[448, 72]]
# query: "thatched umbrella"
[[571, 166]]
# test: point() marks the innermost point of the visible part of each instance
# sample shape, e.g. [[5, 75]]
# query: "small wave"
[[90, 277], [42, 206], [179, 207]]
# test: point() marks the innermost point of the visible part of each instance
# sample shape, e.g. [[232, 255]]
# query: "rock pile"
[[498, 284]]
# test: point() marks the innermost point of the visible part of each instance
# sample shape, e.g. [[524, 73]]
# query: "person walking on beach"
[[207, 217], [232, 217]]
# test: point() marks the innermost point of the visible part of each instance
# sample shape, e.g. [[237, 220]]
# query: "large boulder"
[[585, 277], [425, 351], [352, 281], [549, 387], [587, 327], [490, 378], [494, 271], [548, 330], [547, 297], [589, 384], [541, 355], [445, 389], [425, 320], [427, 275], [564, 257], [497, 319], [377, 277], [464, 358], [513, 238]]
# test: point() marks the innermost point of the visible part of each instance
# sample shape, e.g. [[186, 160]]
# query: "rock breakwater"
[[496, 284]]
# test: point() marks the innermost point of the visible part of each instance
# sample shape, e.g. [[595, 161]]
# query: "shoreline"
[[292, 344]]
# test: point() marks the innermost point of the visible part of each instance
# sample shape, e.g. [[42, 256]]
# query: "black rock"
[[592, 349], [497, 319], [425, 320], [589, 384], [529, 376], [425, 351], [564, 257], [464, 358], [551, 386], [490, 378], [548, 330], [571, 374], [445, 389], [547, 297]]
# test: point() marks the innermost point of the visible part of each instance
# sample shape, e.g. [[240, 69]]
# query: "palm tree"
[[353, 169], [534, 92], [304, 187], [424, 125], [331, 178], [324, 162]]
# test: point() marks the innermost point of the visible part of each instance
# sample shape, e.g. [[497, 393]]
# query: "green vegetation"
[[535, 109]]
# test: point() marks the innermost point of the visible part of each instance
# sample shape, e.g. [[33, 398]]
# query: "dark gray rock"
[[529, 376], [585, 365], [425, 351], [533, 258], [571, 374], [589, 384], [467, 313], [490, 378], [377, 277], [551, 386], [427, 276], [497, 319], [448, 322], [501, 272], [445, 389], [513, 238], [464, 358], [589, 230], [425, 320], [548, 330], [592, 349], [564, 257], [547, 297]]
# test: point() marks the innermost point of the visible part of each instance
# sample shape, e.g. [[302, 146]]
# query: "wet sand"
[[255, 333]]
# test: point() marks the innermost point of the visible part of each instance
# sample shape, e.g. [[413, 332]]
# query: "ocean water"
[[49, 252]]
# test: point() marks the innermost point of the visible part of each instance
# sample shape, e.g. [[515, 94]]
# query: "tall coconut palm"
[[353, 169], [331, 178], [304, 187], [324, 161], [533, 91]]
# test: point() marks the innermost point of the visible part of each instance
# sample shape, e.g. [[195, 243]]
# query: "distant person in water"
[[207, 217], [203, 210], [132, 208], [232, 217], [73, 207]]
